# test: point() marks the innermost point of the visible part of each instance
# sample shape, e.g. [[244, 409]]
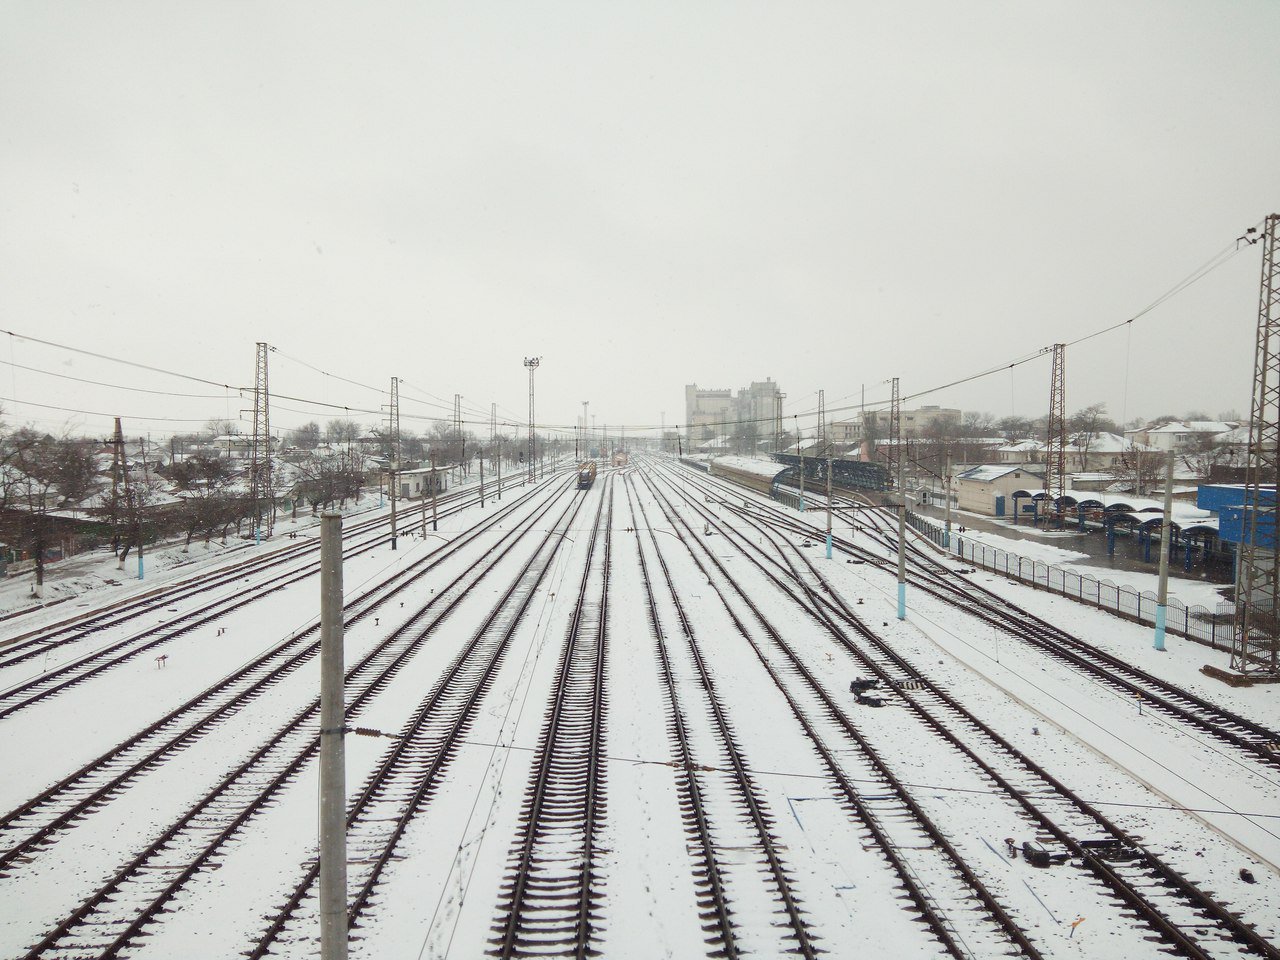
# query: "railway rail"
[[49, 683], [410, 772], [551, 898], [735, 787], [1140, 879], [141, 887]]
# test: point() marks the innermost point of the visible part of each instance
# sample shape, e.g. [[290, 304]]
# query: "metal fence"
[[1214, 628]]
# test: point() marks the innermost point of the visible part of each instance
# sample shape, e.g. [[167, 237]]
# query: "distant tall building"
[[739, 420]]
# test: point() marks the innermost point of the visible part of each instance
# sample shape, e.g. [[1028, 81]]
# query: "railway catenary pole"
[[828, 501], [800, 447], [1166, 535], [394, 424], [333, 787], [902, 560], [946, 530], [435, 494]]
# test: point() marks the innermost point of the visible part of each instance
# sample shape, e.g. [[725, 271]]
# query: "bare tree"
[[306, 437], [1085, 426], [42, 474], [1015, 428], [1141, 468], [339, 431]]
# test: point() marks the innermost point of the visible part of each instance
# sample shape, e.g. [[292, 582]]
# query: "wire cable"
[[127, 363]]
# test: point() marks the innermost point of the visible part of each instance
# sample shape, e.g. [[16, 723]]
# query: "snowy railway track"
[[139, 890], [718, 775], [409, 774], [1255, 742], [1189, 920], [24, 694], [713, 904], [1259, 743], [39, 641], [550, 901], [37, 821], [904, 834]]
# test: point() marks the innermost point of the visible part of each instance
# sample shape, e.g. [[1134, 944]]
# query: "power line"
[[98, 413], [127, 363], [114, 386]]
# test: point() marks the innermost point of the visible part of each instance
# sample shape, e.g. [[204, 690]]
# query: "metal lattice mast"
[[1056, 452], [532, 364], [778, 397], [393, 422], [895, 436], [260, 457], [1257, 633], [119, 479], [393, 434], [822, 417]]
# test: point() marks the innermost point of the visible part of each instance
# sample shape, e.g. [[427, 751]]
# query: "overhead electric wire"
[[115, 386], [1213, 263], [127, 363], [98, 413]]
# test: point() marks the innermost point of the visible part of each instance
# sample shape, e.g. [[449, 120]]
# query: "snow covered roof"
[[753, 465], [1105, 443], [1192, 426], [1238, 435], [1183, 512], [988, 472], [1022, 446]]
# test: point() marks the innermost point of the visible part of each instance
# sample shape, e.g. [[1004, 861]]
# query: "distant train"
[[586, 474]]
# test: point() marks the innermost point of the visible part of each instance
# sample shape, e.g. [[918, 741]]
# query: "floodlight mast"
[[532, 363]]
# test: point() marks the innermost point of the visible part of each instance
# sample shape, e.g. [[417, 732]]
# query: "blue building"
[[1228, 501]]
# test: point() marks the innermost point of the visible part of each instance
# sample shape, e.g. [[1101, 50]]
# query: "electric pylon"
[[822, 418], [393, 420], [895, 437], [1056, 451], [532, 364], [778, 397], [260, 456], [119, 478], [1257, 630]]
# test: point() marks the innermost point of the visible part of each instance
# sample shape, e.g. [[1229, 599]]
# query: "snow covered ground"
[[756, 679]]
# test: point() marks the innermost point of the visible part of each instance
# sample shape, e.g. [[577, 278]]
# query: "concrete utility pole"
[[800, 446], [333, 777], [532, 364], [946, 530], [1166, 535], [482, 483], [902, 561], [499, 478], [435, 493]]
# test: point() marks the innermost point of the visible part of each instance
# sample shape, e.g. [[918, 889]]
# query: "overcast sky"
[[645, 195]]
